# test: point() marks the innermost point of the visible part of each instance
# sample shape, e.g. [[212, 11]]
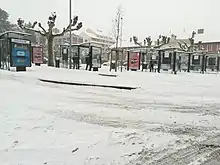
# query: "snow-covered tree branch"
[[73, 26]]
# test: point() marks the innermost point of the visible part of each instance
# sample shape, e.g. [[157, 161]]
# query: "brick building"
[[211, 47]]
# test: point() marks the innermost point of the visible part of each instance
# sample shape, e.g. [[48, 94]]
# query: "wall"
[[212, 47]]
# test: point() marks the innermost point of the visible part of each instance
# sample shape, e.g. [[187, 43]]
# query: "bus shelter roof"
[[14, 32]]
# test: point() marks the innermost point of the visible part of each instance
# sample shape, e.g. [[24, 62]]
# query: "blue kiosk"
[[15, 50]]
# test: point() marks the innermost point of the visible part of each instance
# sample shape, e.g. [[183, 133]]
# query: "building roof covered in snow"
[[175, 43], [126, 44], [91, 34]]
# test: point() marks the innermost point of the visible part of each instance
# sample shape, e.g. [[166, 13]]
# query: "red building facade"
[[211, 47]]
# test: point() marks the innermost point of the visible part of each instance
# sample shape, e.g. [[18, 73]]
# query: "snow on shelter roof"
[[92, 43], [15, 32], [125, 44], [174, 44]]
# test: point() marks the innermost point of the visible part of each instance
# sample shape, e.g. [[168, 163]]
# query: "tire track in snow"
[[213, 158], [119, 122], [195, 153]]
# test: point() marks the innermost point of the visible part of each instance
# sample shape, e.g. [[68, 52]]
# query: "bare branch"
[[63, 32], [40, 26], [135, 39], [20, 23], [117, 26], [36, 31], [34, 24], [74, 21], [68, 29], [60, 34], [75, 29], [193, 35], [188, 47], [149, 41], [51, 21], [181, 47]]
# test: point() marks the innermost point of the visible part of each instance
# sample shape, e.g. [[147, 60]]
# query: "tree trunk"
[[50, 52]]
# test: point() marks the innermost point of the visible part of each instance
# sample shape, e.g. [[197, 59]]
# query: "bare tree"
[[73, 26], [162, 40], [147, 41], [117, 25], [117, 32], [188, 48], [135, 39]]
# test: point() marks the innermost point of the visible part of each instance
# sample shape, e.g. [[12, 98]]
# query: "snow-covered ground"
[[165, 117]]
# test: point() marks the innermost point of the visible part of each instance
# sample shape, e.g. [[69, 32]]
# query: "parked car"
[[105, 64]]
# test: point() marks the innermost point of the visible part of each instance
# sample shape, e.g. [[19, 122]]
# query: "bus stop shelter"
[[85, 55], [15, 50]]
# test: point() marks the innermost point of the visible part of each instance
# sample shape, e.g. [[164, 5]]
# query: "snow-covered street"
[[168, 119]]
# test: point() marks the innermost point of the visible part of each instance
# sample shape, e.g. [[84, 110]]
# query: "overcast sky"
[[141, 17]]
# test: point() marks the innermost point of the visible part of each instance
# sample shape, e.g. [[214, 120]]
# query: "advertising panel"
[[37, 55], [65, 53], [96, 57], [20, 57], [134, 60], [20, 53]]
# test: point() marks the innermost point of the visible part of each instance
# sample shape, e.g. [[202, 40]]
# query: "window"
[[202, 47], [218, 47], [74, 40], [210, 47], [80, 40], [205, 46]]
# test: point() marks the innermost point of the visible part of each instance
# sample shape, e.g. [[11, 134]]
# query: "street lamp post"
[[121, 44], [70, 33]]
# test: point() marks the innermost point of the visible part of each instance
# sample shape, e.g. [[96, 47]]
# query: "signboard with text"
[[196, 60]]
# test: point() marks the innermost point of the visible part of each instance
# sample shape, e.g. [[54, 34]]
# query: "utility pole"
[[70, 43], [121, 43], [121, 35], [117, 39]]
